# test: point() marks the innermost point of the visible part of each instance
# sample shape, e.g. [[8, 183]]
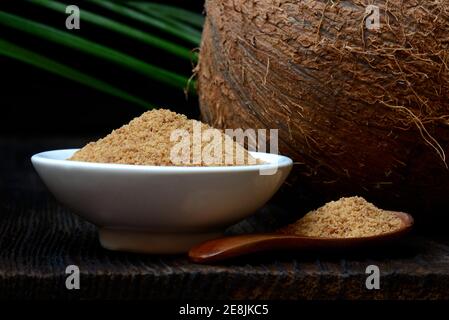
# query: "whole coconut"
[[361, 104]]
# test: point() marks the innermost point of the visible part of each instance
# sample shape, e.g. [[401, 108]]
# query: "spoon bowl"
[[235, 246]]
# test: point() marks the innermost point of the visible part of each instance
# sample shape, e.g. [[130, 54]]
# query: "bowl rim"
[[274, 161]]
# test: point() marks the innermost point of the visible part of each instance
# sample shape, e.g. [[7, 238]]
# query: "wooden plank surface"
[[39, 238]]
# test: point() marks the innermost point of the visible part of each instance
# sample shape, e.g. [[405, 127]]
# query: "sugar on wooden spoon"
[[348, 222]]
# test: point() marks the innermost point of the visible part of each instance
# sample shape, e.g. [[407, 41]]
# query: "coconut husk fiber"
[[361, 111]]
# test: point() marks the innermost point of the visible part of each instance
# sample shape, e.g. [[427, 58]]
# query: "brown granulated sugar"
[[346, 218], [147, 140]]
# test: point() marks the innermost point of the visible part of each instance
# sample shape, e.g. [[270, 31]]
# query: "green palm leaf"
[[170, 26], [123, 29], [21, 54], [54, 35], [179, 14]]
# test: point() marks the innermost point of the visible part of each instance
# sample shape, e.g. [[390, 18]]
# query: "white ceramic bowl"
[[159, 209]]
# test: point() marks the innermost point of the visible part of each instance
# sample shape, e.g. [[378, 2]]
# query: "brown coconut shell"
[[360, 110]]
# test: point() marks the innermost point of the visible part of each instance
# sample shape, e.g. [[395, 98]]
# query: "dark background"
[[35, 102], [53, 112], [39, 238]]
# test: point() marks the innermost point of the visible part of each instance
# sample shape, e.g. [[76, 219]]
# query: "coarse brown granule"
[[346, 218], [146, 140]]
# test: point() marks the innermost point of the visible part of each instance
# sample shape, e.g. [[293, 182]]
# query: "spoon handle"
[[234, 246]]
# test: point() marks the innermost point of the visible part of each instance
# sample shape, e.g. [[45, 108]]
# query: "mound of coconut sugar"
[[346, 218], [164, 138]]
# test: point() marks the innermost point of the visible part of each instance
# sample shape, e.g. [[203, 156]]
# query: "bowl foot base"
[[147, 242]]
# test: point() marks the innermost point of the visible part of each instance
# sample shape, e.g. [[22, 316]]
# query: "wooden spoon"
[[234, 246]]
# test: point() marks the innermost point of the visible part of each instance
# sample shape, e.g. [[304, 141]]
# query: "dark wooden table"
[[39, 238]]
